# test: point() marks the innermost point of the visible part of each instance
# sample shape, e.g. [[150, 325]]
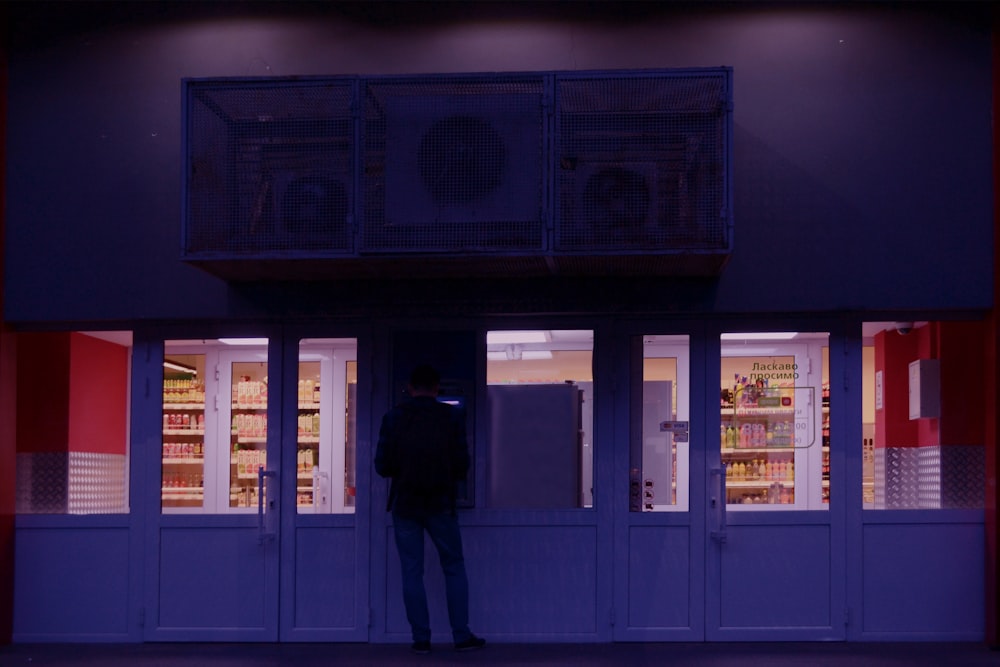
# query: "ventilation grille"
[[271, 169], [453, 164]]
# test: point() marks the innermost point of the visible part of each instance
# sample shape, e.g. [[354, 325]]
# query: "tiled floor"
[[537, 655]]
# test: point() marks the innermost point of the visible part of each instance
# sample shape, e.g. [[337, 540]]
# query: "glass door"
[[659, 523], [324, 546], [774, 558], [213, 537]]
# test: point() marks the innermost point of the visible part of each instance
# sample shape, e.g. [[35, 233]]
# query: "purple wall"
[[862, 160]]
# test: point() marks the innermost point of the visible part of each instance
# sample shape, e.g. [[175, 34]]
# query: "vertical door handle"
[[719, 504], [266, 505], [321, 491]]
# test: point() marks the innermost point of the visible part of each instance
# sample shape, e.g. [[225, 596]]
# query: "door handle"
[[321, 491], [266, 505], [718, 499]]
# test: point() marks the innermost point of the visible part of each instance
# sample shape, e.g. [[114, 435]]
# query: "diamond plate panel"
[[73, 483], [930, 477], [96, 483], [963, 476], [42, 481]]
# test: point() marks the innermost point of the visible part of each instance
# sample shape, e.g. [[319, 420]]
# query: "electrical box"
[[925, 388]]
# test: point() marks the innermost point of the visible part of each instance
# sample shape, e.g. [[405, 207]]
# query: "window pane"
[[774, 426], [923, 440], [327, 419], [540, 390], [248, 432], [183, 456], [72, 422], [658, 478], [214, 425]]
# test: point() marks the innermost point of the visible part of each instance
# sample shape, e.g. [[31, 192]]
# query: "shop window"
[[774, 432], [540, 432], [72, 422], [923, 405], [658, 473], [215, 425]]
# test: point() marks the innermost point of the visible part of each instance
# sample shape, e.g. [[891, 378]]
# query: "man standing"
[[422, 447]]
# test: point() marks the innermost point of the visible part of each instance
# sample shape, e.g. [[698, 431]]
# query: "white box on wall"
[[925, 388]]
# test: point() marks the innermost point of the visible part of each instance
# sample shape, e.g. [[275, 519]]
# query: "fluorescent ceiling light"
[[243, 341], [179, 367], [764, 335], [518, 355], [506, 337]]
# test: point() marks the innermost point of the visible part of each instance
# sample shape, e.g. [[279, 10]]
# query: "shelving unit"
[[182, 482], [307, 454], [248, 433], [757, 452]]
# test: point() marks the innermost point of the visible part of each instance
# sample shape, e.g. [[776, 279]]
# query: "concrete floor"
[[539, 655]]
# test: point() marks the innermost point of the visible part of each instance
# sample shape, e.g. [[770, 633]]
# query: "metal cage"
[[270, 169], [503, 174]]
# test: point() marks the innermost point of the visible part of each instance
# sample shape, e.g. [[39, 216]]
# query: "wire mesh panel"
[[454, 164], [270, 168], [642, 161]]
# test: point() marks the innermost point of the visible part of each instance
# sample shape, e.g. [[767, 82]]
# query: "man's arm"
[[384, 466], [460, 454]]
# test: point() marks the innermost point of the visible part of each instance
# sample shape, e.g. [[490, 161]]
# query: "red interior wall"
[[98, 386], [43, 362], [962, 383], [893, 354]]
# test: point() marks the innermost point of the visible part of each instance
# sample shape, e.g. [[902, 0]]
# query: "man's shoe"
[[470, 644], [421, 648]]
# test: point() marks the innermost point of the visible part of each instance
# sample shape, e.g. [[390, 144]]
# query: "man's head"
[[424, 381]]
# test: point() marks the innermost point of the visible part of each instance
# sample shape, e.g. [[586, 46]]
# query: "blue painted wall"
[[863, 140]]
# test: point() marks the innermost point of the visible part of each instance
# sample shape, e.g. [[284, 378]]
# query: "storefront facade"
[[796, 445]]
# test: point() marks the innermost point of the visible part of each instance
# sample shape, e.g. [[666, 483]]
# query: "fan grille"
[[640, 162], [271, 168], [453, 164]]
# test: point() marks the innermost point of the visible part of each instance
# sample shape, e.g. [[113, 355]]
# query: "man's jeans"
[[444, 532]]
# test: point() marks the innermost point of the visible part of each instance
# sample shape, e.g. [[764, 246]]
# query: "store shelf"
[[737, 451], [171, 493], [171, 407], [757, 483], [183, 431], [184, 461]]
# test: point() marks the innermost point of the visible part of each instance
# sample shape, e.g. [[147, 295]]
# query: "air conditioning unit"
[[643, 168], [271, 173], [613, 204], [622, 172], [300, 209], [462, 169]]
